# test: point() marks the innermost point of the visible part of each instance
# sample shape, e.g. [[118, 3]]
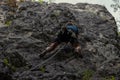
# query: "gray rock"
[[35, 26]]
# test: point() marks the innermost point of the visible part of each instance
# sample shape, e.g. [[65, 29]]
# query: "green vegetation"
[[42, 69], [110, 78], [87, 74], [22, 0], [6, 62], [40, 1], [8, 23]]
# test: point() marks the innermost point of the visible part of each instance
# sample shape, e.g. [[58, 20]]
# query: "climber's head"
[[70, 22]]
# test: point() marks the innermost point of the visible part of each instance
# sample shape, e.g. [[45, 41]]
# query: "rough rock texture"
[[34, 27], [6, 14]]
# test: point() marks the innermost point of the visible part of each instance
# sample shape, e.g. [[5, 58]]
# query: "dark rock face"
[[6, 13], [34, 27]]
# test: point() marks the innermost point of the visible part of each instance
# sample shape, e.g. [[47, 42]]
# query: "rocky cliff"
[[34, 27]]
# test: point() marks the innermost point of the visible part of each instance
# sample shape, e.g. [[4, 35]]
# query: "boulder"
[[35, 26]]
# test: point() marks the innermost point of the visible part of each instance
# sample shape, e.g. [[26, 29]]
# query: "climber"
[[68, 33]]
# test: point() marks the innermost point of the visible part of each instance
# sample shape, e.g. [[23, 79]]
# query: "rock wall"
[[6, 13], [35, 26]]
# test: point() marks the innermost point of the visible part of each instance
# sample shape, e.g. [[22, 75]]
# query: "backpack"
[[73, 28]]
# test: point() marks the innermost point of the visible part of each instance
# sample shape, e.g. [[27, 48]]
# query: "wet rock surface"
[[35, 26]]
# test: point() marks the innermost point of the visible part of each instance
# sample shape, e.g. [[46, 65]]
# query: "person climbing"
[[68, 33]]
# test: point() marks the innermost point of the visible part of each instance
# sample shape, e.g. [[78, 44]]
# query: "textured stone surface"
[[34, 27]]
